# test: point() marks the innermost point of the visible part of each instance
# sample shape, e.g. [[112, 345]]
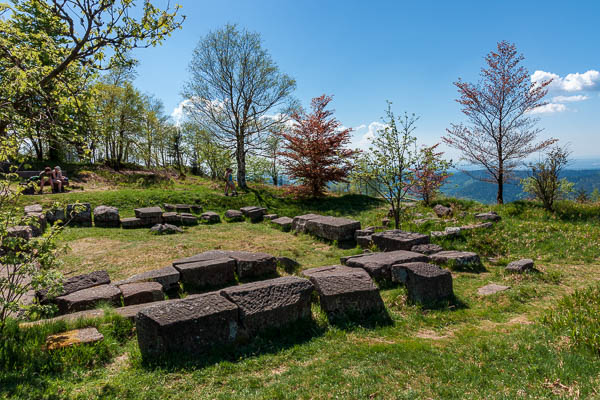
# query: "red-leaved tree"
[[314, 150], [429, 174]]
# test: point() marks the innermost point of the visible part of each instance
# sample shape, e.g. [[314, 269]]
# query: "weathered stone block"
[[271, 303], [398, 240], [55, 215], [427, 249], [271, 217], [148, 212], [256, 215], [283, 223], [189, 326], [183, 208], [106, 217], [165, 229], [378, 265], [491, 289], [23, 232], [488, 216], [364, 232], [246, 210], [215, 272], [234, 216], [364, 242], [332, 228], [141, 292], [299, 222], [89, 298], [442, 211], [520, 266], [189, 219], [79, 214], [72, 338], [131, 223], [80, 282], [344, 290], [425, 283], [34, 208], [247, 264], [456, 259], [171, 218], [168, 277], [210, 217]]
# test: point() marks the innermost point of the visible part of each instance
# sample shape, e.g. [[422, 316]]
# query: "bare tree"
[[235, 89], [502, 131]]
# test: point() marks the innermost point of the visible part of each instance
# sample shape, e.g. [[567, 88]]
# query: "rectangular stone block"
[[272, 303], [283, 223], [79, 214], [425, 283], [216, 272], [332, 228], [378, 265], [398, 240], [168, 277], [131, 223], [148, 212], [141, 292], [89, 298], [189, 326], [171, 218]]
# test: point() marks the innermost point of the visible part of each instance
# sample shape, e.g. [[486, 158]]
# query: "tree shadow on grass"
[[351, 320]]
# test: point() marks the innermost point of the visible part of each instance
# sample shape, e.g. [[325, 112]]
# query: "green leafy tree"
[[209, 156], [388, 167], [430, 173]]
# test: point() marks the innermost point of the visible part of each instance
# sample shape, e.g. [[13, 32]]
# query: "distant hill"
[[464, 186]]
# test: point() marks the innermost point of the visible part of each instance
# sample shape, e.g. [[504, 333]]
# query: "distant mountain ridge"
[[465, 186]]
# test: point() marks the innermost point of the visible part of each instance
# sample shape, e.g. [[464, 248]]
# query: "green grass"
[[522, 343]]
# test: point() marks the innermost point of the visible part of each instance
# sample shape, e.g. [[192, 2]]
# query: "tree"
[[429, 174], [388, 166], [272, 149], [545, 183], [314, 149], [208, 155], [502, 131], [236, 91]]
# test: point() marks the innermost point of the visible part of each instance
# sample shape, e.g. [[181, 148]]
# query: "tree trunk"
[[240, 156], [500, 196]]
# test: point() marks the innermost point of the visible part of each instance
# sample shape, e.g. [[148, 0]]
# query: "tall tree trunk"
[[500, 196], [240, 155]]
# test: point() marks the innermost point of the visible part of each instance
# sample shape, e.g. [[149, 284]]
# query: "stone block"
[[131, 223], [89, 298], [34, 208], [248, 264], [491, 289], [79, 214], [425, 283], [168, 277], [20, 231], [171, 218], [488, 216], [72, 338], [520, 266], [271, 303], [210, 217], [183, 208], [364, 242], [398, 240], [246, 210], [189, 326], [215, 272], [106, 217], [234, 216], [55, 215], [165, 229], [256, 215], [378, 265], [299, 222], [148, 212], [189, 219], [456, 259], [345, 290], [141, 292], [442, 211], [79, 282], [427, 249], [364, 232], [283, 223], [332, 228], [271, 217]]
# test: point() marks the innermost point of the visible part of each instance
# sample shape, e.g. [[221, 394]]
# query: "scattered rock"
[[398, 240], [483, 225], [168, 277], [131, 223], [330, 228], [246, 210], [234, 216], [283, 223], [141, 292], [364, 232], [183, 208], [520, 266], [23, 232], [450, 231], [488, 216], [148, 212], [271, 217], [425, 283], [189, 326], [344, 290], [79, 282], [34, 208], [247, 264], [456, 259], [427, 249], [106, 217], [256, 215], [207, 273], [55, 215], [89, 298], [37, 222], [492, 288], [71, 338], [378, 264], [271, 303], [210, 217], [165, 229], [190, 219], [364, 242], [171, 218], [442, 211], [79, 214]]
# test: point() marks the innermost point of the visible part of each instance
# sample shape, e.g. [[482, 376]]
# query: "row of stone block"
[[326, 227]]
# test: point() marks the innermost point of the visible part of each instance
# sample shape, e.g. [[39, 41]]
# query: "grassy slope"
[[493, 347]]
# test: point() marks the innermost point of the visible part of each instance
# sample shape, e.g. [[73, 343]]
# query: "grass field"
[[540, 339]]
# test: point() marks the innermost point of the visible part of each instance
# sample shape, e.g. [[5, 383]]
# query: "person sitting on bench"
[[45, 176], [57, 180]]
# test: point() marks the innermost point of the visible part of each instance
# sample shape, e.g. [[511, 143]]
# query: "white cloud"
[[589, 80], [569, 99], [549, 108], [178, 113], [363, 141]]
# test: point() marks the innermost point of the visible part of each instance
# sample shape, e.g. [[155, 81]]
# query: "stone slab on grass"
[[271, 303], [456, 259], [34, 208], [299, 222], [171, 217], [79, 214], [520, 266], [398, 240], [168, 277], [20, 231], [72, 338], [132, 223], [79, 282], [234, 216], [210, 217], [492, 288], [378, 265], [283, 223], [190, 326], [246, 210], [271, 217], [189, 219], [214, 272], [256, 215], [332, 228], [427, 249], [488, 216], [247, 264], [364, 242], [141, 292], [89, 298], [345, 290], [425, 283], [106, 217], [148, 212]]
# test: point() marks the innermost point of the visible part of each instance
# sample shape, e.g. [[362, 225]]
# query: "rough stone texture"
[[55, 215], [79, 214], [287, 263], [364, 242], [210, 217], [188, 326], [299, 222], [271, 303], [343, 289], [427, 248], [520, 266], [378, 264], [71, 338], [23, 232], [488, 216], [364, 232], [234, 216], [165, 229], [283, 223], [442, 211], [450, 231], [398, 240], [215, 272], [333, 228], [246, 210], [171, 218], [189, 219], [492, 288], [169, 207], [183, 208], [148, 212], [168, 277], [425, 283], [196, 208], [271, 217], [80, 282], [256, 215], [89, 298], [141, 292], [131, 223], [456, 259], [106, 217], [247, 264], [34, 208], [483, 225]]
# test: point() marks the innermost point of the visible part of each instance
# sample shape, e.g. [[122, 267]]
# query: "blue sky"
[[367, 52]]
